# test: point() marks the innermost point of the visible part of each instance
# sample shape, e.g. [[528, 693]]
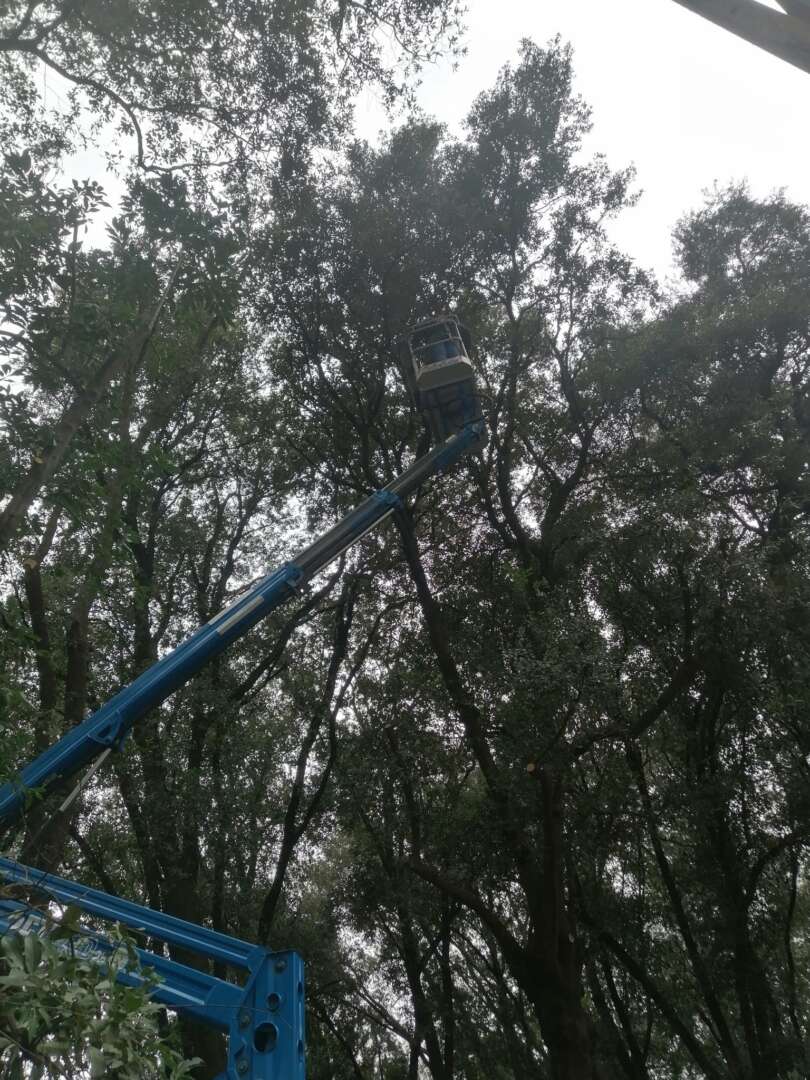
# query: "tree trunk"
[[47, 462], [547, 966]]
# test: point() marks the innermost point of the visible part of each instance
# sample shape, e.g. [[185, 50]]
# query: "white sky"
[[686, 102]]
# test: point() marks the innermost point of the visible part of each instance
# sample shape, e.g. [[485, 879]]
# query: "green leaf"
[[98, 1062], [33, 951]]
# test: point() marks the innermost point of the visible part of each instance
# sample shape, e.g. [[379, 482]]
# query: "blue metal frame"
[[263, 1019]]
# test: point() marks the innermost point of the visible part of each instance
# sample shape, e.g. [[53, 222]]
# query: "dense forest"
[[525, 777]]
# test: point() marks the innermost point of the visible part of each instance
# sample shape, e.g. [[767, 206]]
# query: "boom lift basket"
[[445, 384]]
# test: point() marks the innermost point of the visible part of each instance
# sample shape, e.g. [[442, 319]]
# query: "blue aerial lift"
[[264, 1017]]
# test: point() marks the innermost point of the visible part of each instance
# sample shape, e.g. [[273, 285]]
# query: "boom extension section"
[[109, 726]]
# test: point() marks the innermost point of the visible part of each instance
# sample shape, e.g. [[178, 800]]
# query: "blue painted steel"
[[268, 1043], [389, 499], [114, 720], [174, 931], [263, 1019], [469, 437], [194, 992]]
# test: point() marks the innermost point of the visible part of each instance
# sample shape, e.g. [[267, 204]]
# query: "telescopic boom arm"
[[267, 1013], [109, 726]]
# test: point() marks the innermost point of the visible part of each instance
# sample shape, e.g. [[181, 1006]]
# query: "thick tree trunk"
[[547, 965], [46, 831], [566, 1027]]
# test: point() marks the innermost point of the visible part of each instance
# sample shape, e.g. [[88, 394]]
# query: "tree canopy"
[[524, 775]]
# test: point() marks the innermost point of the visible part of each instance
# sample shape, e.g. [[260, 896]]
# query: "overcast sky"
[[686, 102]]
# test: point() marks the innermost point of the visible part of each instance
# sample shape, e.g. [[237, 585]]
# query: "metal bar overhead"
[[785, 33]]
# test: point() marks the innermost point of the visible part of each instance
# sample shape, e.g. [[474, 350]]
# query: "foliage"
[[204, 86], [64, 1014], [524, 776]]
